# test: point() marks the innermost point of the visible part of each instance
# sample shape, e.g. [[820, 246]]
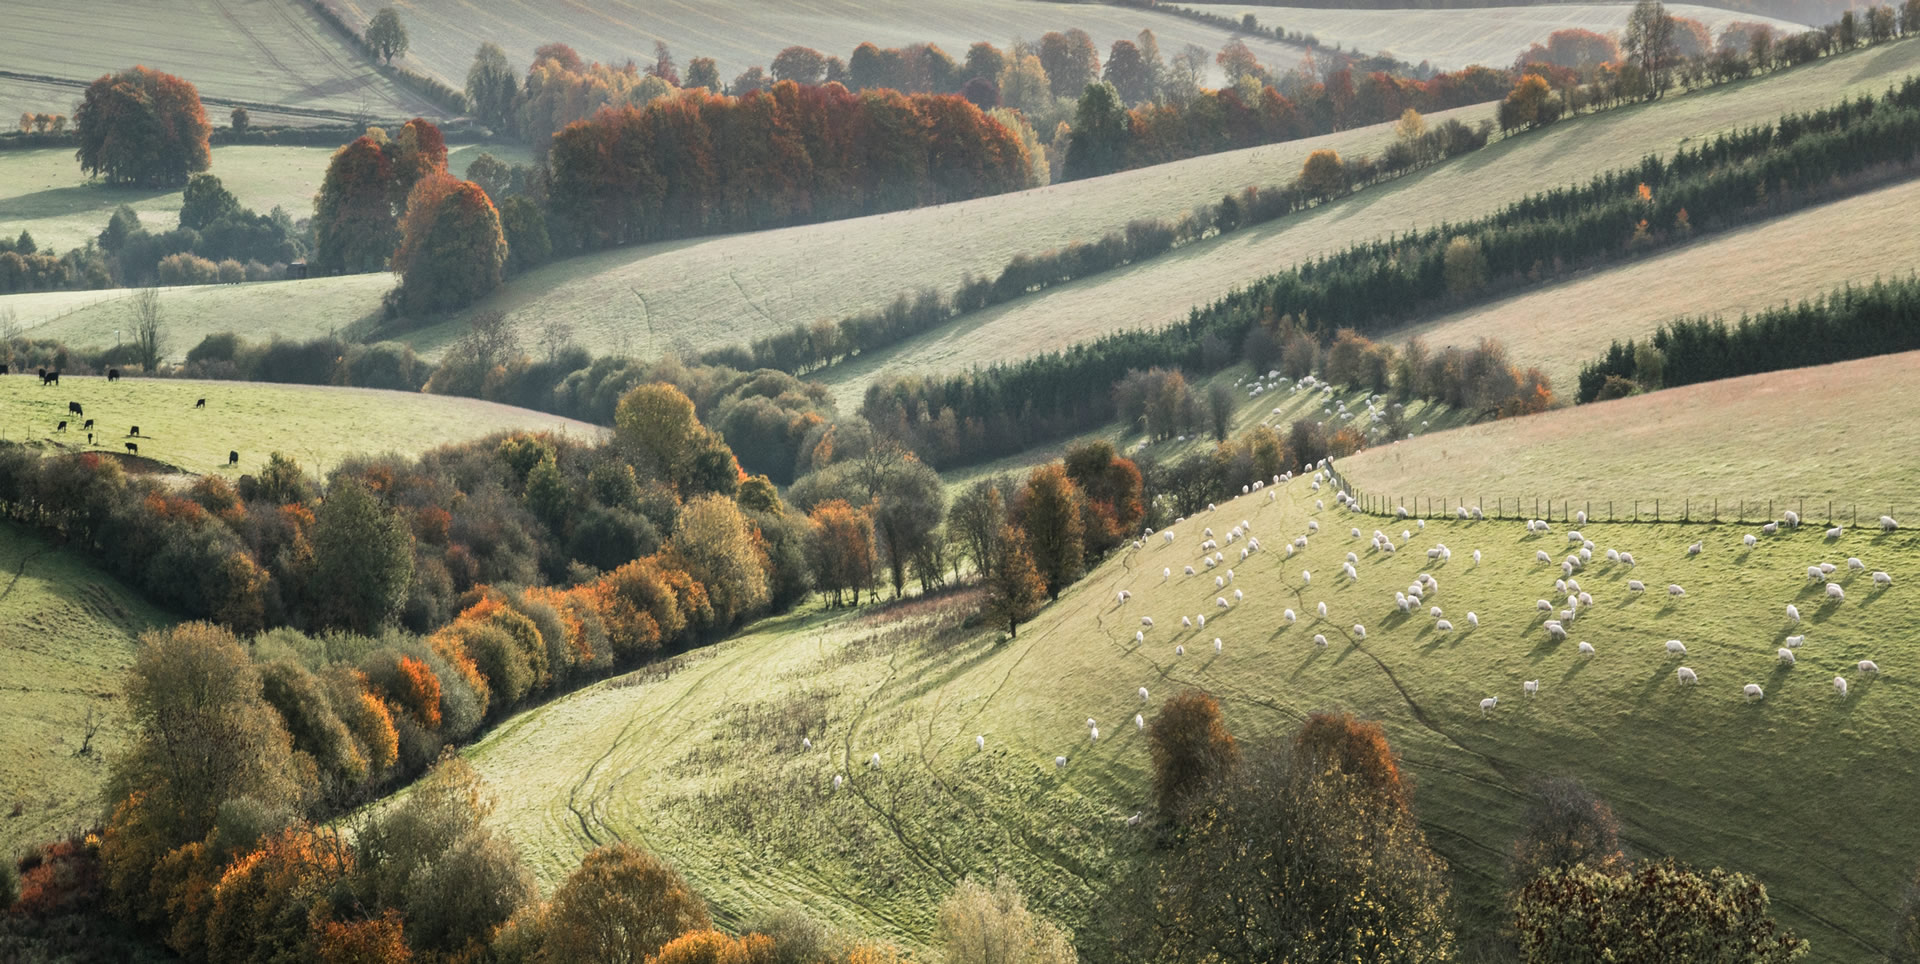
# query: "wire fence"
[[1686, 510]]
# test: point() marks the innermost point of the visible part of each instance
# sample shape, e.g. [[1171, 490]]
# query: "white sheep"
[[1676, 648], [1473, 620], [837, 780], [1220, 601], [1828, 568], [1541, 555], [1217, 644], [1139, 637], [1840, 685], [1487, 705], [1855, 565], [1580, 517], [1530, 687], [1359, 631], [1687, 675], [1093, 735], [1815, 575], [1555, 630], [1289, 617], [1635, 585], [1794, 642], [1836, 532], [1626, 559], [875, 762], [1793, 612], [1179, 651], [1146, 621], [1868, 666], [1575, 536], [1544, 606], [1834, 592], [1613, 555], [1320, 640], [805, 743], [1186, 622], [1306, 577], [1167, 536], [1434, 612], [1674, 590], [1059, 763], [1143, 694], [980, 742], [1887, 524], [1238, 595], [1586, 599], [1139, 721], [1219, 581], [1189, 571], [1694, 550], [1124, 595], [1792, 517], [1313, 526], [1770, 528], [1882, 579], [1785, 655], [1476, 557], [1750, 540], [1559, 585], [1753, 691], [1323, 610], [1586, 649], [1166, 573], [1230, 572], [1477, 513]]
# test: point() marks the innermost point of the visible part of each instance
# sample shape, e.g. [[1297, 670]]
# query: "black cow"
[[73, 408], [3, 369], [49, 378], [113, 374], [62, 428], [233, 458], [133, 432], [200, 404], [89, 425], [89, 438], [132, 448]]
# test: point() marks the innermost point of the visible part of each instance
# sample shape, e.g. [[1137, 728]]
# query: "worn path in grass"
[[67, 635], [706, 767], [317, 425]]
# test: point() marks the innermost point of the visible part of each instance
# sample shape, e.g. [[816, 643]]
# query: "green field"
[[68, 638], [252, 51], [704, 764], [1800, 437], [318, 426], [1451, 39]]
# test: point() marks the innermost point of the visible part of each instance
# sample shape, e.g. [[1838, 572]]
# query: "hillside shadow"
[[76, 197]]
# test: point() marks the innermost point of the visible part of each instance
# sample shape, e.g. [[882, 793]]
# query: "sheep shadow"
[[1579, 666], [1666, 676]]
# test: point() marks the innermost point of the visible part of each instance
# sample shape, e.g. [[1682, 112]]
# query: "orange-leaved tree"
[[452, 251], [144, 127], [1190, 746]]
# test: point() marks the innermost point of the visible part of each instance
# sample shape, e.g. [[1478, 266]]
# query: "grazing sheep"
[[1793, 518], [1238, 595], [1059, 763], [1770, 528], [1840, 685], [1613, 555], [1855, 565], [1139, 722], [1887, 524], [1313, 526], [1586, 649], [1559, 585], [1200, 620], [1835, 593], [1167, 537], [1323, 610], [1586, 554], [1544, 606], [1530, 687], [1753, 691], [1476, 557], [1635, 585], [1750, 540], [837, 780], [1351, 557], [1542, 556], [1166, 573], [1473, 620], [1093, 735], [1460, 512], [1676, 647], [1586, 599], [1687, 675], [1868, 666], [1814, 574], [1795, 641], [1220, 601], [1186, 622], [1793, 612], [806, 744], [1434, 612], [1573, 585], [875, 762], [1626, 558], [1674, 590], [1443, 626], [1354, 533], [1122, 596], [1785, 655], [1139, 637], [1320, 640], [1179, 651], [1217, 644], [1219, 581], [1230, 573], [1882, 579], [1289, 616], [1359, 631], [1406, 535], [1694, 550], [1836, 532], [1487, 705], [979, 742], [1306, 577], [1477, 513], [1146, 621], [1575, 536], [1189, 571]]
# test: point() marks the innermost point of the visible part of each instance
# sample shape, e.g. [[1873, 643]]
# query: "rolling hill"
[[264, 52], [317, 425], [702, 761], [70, 632], [1451, 39]]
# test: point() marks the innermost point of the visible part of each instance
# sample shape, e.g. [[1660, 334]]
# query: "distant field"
[[1562, 326], [69, 634], [1812, 434], [319, 426], [1451, 39], [259, 51], [45, 192], [745, 33], [1165, 289], [704, 766]]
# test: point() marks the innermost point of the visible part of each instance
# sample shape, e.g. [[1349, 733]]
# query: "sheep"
[[1785, 655], [1476, 557], [1770, 528], [1794, 642], [1840, 686], [1351, 558], [1359, 631], [1093, 735], [1750, 540], [1217, 644], [1186, 622], [1123, 595], [1626, 559], [1753, 691], [1320, 640], [1442, 626], [837, 780], [1139, 721], [1887, 524], [1836, 532], [1179, 651], [1586, 554], [1139, 637], [1406, 535], [1542, 556], [1200, 621], [1835, 593], [875, 762], [1189, 571], [1220, 601], [1146, 621], [1167, 536], [1687, 675], [1306, 577], [1882, 579], [1694, 550], [1573, 585], [1559, 585], [1323, 610], [1487, 705], [1586, 649], [1544, 606], [1635, 585], [1460, 512], [1059, 763], [1575, 536], [1219, 581], [1868, 666], [1289, 617], [1555, 629], [1674, 590], [1477, 513], [1239, 596], [1434, 612], [1530, 687], [1166, 573], [1571, 563], [1815, 575], [1613, 555], [1676, 647], [1473, 620], [1313, 526], [1855, 565], [806, 744], [1230, 572], [1586, 599], [1793, 518], [1353, 533]]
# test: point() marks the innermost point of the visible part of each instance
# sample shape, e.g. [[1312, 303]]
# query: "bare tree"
[[489, 339], [556, 336], [149, 331]]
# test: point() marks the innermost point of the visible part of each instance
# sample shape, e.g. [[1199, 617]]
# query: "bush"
[[1190, 747], [187, 269], [621, 903], [984, 925], [1653, 911], [1566, 827]]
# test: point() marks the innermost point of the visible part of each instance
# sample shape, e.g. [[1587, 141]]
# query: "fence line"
[[1828, 512]]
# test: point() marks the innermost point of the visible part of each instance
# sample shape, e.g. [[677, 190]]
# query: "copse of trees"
[[356, 214], [452, 249], [142, 127]]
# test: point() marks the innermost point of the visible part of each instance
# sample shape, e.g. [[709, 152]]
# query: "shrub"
[[1566, 827], [1654, 911], [621, 903], [1190, 747]]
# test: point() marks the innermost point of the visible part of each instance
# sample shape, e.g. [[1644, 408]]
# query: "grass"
[[256, 51], [703, 764], [70, 632], [1164, 289], [45, 193], [1799, 437], [319, 426], [1562, 326], [1451, 39]]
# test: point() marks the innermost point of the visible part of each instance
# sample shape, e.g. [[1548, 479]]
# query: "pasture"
[[68, 638], [702, 761], [1164, 289], [1813, 434], [318, 426], [272, 52], [1452, 39], [1560, 326]]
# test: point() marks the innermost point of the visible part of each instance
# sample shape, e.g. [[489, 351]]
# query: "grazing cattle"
[[200, 404], [89, 425], [133, 432], [89, 438], [62, 428], [113, 374], [49, 378], [73, 408], [3, 369], [233, 458], [133, 449]]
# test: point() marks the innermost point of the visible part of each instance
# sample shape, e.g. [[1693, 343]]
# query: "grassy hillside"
[[69, 636], [1164, 289], [1810, 434], [1799, 256], [1451, 39], [45, 192], [258, 51], [741, 33], [704, 765], [319, 426]]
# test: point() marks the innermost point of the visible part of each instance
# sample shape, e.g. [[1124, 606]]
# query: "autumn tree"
[[979, 924], [1323, 175], [362, 559], [386, 34], [1129, 73], [1015, 589], [1190, 747], [621, 904], [1112, 489], [908, 503], [841, 549], [1565, 826], [142, 127], [1463, 265], [452, 250], [1530, 104], [353, 222], [149, 328], [802, 65], [1652, 911], [713, 947], [1341, 743], [1237, 62], [1071, 61], [702, 72], [715, 544], [656, 427], [1048, 511], [264, 903], [492, 88], [1024, 83], [974, 522]]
